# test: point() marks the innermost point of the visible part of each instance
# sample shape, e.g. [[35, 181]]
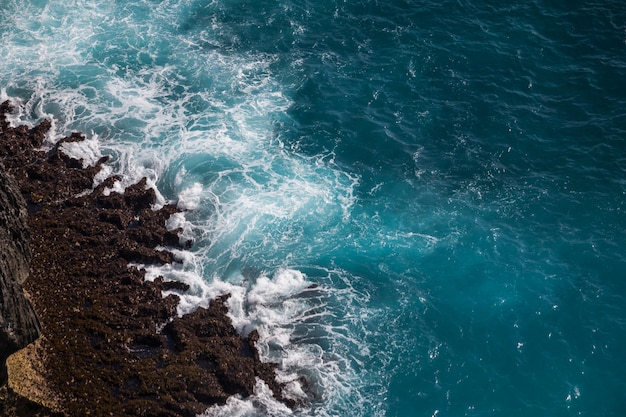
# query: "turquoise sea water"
[[420, 205]]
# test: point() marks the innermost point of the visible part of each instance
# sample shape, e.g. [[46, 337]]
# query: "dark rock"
[[19, 325], [101, 316], [139, 196], [170, 285]]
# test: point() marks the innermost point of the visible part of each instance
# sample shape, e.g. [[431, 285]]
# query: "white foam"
[[286, 283], [298, 323], [261, 403], [87, 150], [189, 198]]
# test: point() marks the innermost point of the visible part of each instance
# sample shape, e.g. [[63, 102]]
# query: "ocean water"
[[420, 205]]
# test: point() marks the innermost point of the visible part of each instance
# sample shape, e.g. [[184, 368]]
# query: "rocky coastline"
[[19, 324], [110, 343]]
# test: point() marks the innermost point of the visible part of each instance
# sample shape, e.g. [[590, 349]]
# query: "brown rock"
[[103, 354]]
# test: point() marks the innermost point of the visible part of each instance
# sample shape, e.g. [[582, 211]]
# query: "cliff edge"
[[19, 324]]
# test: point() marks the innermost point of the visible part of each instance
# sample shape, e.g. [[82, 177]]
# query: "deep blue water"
[[450, 175]]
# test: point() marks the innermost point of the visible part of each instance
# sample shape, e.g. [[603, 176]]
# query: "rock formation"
[[111, 343], [19, 324]]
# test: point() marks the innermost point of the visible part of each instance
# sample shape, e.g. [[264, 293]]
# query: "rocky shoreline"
[[110, 343]]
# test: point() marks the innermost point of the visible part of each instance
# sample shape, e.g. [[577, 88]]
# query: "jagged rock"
[[103, 354]]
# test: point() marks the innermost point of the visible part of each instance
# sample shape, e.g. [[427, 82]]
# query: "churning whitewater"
[[418, 205]]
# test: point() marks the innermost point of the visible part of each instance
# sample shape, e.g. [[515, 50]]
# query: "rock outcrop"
[[111, 343], [19, 324]]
